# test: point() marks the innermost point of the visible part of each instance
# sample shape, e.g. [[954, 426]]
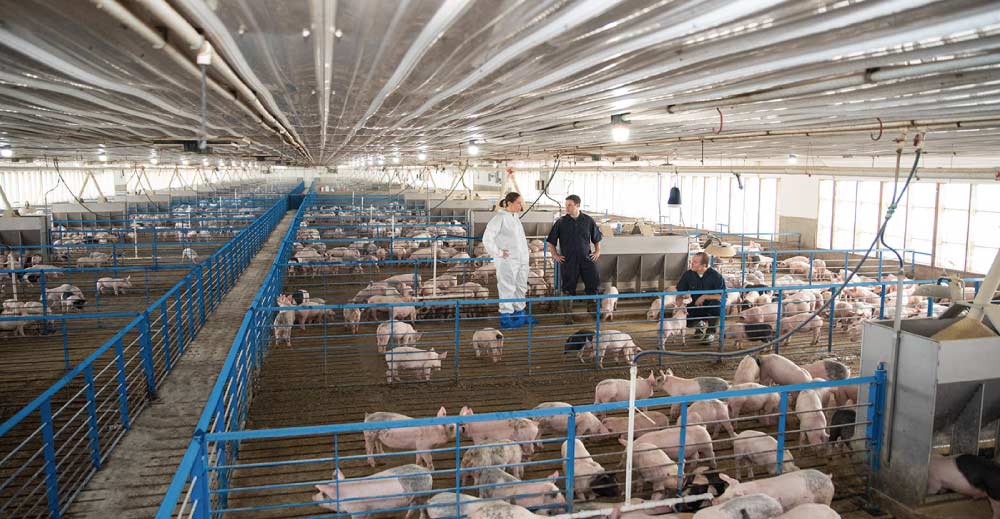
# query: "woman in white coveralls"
[[505, 242]]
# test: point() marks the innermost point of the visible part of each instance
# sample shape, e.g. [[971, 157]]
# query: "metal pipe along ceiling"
[[327, 81]]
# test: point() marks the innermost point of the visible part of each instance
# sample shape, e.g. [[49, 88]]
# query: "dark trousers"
[[710, 315], [573, 269]]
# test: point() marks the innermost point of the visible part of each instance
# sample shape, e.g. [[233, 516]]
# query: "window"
[[844, 213], [920, 217], [984, 236], [825, 224], [953, 226], [867, 220], [768, 205]]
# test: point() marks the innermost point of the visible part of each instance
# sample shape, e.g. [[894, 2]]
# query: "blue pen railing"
[[276, 480], [204, 484], [55, 444]]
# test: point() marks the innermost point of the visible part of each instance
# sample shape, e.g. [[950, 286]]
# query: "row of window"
[[714, 202], [955, 224], [46, 187]]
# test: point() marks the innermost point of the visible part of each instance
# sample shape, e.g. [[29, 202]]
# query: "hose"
[[545, 190], [453, 186], [833, 297]]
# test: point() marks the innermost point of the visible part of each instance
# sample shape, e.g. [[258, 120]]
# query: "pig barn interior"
[[337, 258]]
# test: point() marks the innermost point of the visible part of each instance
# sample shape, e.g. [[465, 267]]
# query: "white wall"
[[798, 196]]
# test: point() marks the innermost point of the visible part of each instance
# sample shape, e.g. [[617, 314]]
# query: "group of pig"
[[494, 464], [65, 297]]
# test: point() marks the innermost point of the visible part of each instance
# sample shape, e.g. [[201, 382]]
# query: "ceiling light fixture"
[[620, 130], [473, 149], [793, 158], [154, 161], [421, 156], [204, 162]]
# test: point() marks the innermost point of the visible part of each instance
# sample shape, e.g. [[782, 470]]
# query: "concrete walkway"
[[135, 477]]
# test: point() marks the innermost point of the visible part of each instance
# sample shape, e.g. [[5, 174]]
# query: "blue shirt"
[[573, 236]]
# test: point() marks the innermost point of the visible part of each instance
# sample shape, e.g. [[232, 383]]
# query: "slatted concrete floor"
[[139, 471]]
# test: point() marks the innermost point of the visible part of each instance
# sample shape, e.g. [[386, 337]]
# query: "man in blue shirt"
[[573, 234], [704, 307]]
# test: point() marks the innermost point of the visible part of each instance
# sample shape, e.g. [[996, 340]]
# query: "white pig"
[[488, 341], [697, 443], [812, 420], [586, 422], [616, 389], [712, 413], [588, 474], [397, 332], [352, 316], [363, 496], [414, 359], [767, 403], [530, 494], [645, 421], [610, 304], [753, 506], [14, 326], [653, 466], [115, 284], [814, 325], [757, 448], [781, 371], [190, 255], [747, 371], [790, 489], [423, 438], [520, 430]]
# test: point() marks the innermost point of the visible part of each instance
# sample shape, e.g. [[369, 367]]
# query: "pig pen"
[[329, 375]]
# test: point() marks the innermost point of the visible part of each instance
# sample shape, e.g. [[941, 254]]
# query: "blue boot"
[[524, 319], [509, 321]]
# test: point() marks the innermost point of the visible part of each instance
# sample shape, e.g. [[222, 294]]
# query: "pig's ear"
[[339, 475], [443, 355], [728, 479], [442, 411], [465, 411], [554, 475]]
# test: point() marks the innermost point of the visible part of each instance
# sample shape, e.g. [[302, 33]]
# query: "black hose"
[[833, 295], [453, 186], [545, 190]]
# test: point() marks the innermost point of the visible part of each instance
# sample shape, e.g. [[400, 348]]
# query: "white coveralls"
[[506, 232]]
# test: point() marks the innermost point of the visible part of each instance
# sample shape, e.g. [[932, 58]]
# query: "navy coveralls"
[[573, 236]]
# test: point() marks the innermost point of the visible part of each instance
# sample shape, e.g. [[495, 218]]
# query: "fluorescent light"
[[154, 161], [204, 162], [620, 130], [421, 156], [102, 157], [395, 159], [184, 162], [793, 158], [473, 149]]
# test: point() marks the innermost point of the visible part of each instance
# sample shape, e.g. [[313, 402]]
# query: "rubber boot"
[[508, 322], [566, 307], [524, 319]]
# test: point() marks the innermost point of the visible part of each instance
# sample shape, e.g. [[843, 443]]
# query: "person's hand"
[[594, 255], [506, 253], [559, 259], [697, 302]]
